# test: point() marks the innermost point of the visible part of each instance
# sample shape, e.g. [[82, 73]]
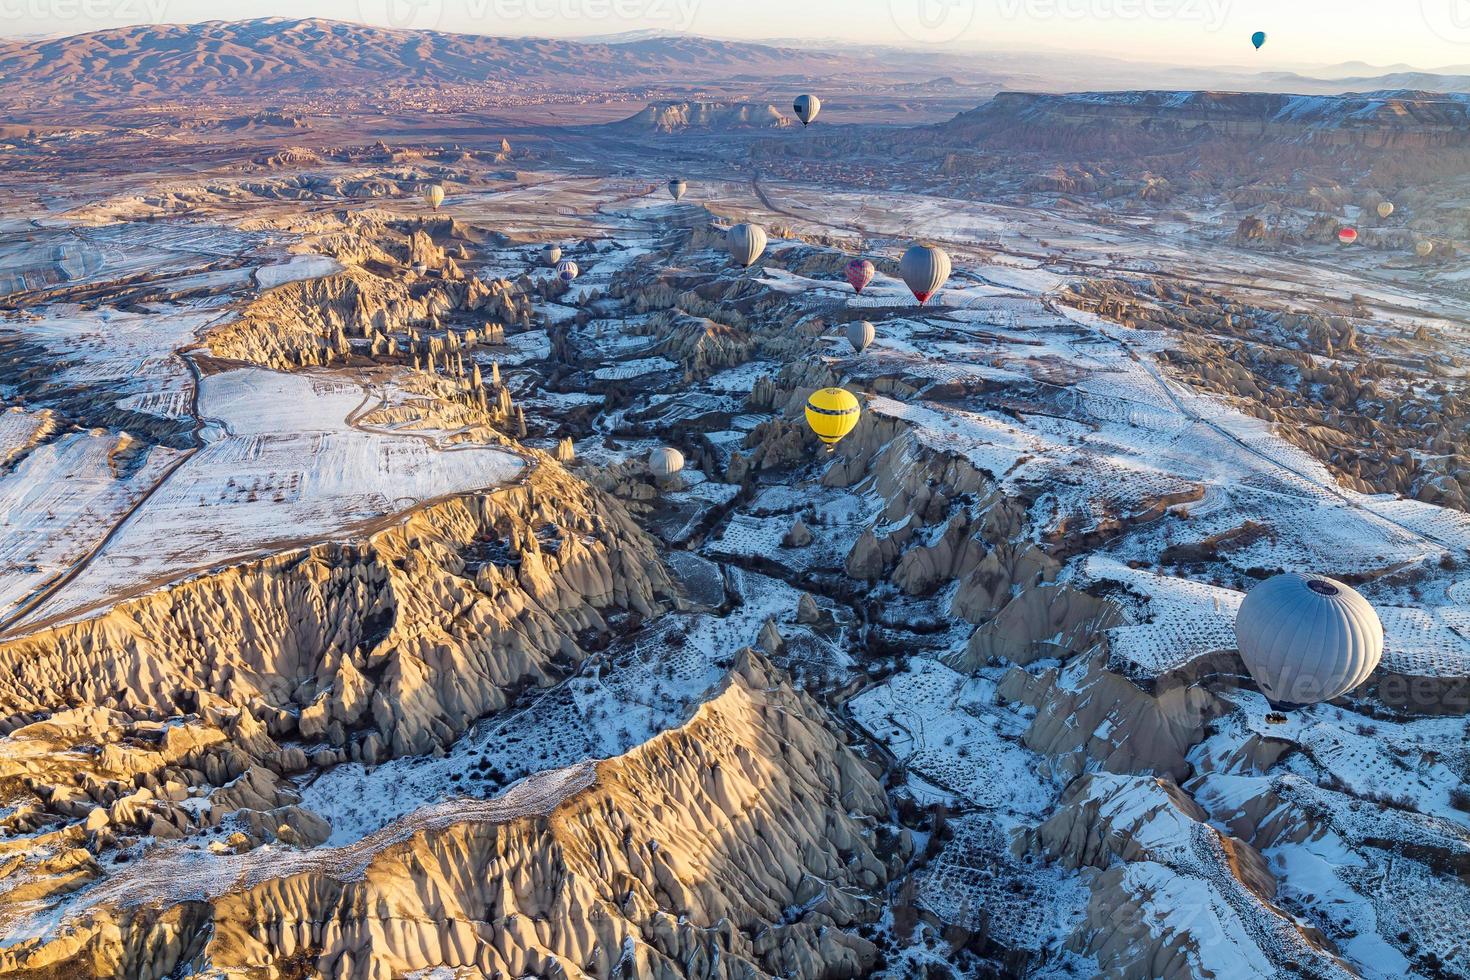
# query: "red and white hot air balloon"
[[860, 272], [1347, 236]]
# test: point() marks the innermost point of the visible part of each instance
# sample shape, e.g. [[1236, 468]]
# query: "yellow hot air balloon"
[[832, 413], [1423, 249], [434, 195], [1385, 209]]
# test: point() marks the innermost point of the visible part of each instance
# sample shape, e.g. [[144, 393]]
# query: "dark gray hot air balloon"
[[665, 462], [677, 187], [806, 108], [860, 334], [924, 268], [1307, 638], [551, 254], [745, 242]]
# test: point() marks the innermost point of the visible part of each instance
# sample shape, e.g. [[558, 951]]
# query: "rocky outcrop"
[[738, 845]]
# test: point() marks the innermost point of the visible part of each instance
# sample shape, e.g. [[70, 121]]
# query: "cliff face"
[[740, 844], [1152, 120]]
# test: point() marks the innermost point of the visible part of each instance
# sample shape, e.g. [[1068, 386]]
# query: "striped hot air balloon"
[[566, 270], [550, 254], [434, 195], [806, 108], [860, 272]]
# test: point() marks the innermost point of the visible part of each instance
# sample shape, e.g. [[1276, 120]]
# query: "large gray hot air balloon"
[[551, 254], [860, 334], [665, 462], [806, 108], [745, 242], [924, 268], [677, 187], [1307, 638]]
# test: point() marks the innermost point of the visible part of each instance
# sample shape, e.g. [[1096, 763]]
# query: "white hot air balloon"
[[924, 268], [434, 195], [665, 462], [806, 108], [860, 334], [421, 268], [677, 187], [1307, 638], [745, 242], [550, 254], [566, 270]]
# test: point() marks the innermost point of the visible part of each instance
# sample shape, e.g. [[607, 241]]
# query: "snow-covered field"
[[286, 468]]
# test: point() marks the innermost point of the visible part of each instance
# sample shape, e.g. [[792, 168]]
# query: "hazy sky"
[[1425, 33]]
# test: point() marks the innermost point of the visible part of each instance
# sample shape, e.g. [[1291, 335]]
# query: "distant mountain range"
[[278, 58], [275, 56]]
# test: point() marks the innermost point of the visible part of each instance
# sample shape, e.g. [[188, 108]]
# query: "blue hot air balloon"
[[1258, 39]]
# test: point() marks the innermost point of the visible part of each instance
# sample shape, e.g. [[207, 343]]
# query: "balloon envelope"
[[666, 461], [860, 334], [924, 268], [860, 272], [550, 254], [1258, 39], [1422, 249], [806, 108], [832, 413], [1347, 236], [434, 196], [745, 242], [1385, 209], [567, 270], [1307, 638], [677, 188]]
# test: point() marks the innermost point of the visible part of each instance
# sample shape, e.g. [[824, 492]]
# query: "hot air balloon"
[[1347, 236], [860, 334], [1258, 39], [745, 242], [550, 254], [924, 268], [665, 462], [1307, 638], [1385, 209], [434, 195], [860, 272], [677, 187], [832, 413], [566, 270], [806, 108], [421, 267], [1422, 249]]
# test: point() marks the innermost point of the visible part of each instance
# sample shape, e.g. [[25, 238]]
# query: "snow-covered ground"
[[285, 468]]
